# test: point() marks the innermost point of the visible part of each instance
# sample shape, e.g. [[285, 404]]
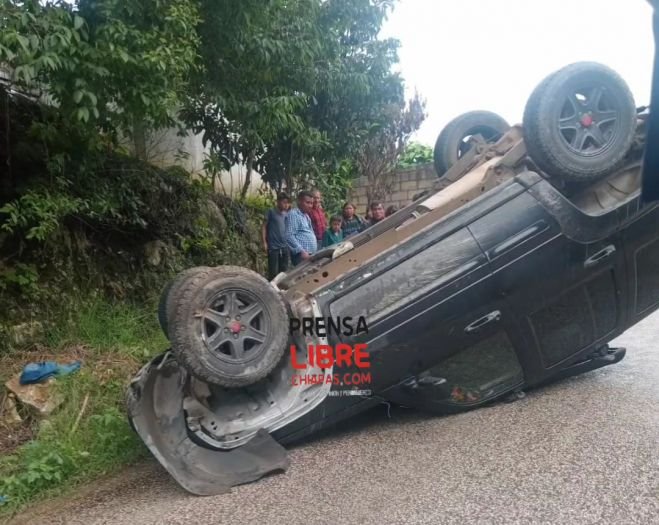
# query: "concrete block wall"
[[407, 183]]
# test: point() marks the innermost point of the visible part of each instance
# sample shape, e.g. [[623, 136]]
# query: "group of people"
[[292, 235]]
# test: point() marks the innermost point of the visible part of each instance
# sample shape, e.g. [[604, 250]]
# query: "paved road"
[[581, 451]]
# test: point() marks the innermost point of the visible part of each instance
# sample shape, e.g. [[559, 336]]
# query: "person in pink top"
[[318, 218]]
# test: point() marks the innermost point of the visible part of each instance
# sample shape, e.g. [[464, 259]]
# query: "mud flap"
[[155, 409]]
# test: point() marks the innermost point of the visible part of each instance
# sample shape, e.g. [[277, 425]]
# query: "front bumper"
[[155, 408]]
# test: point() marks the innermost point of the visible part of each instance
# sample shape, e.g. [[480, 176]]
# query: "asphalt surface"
[[581, 451]]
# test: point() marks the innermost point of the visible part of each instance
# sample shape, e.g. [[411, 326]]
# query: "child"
[[334, 235]]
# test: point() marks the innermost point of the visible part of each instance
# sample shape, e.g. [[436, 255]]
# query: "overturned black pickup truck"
[[533, 252]]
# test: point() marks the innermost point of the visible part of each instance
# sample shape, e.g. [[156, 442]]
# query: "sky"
[[463, 55]]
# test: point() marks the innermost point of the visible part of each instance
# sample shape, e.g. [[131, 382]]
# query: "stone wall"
[[408, 182]]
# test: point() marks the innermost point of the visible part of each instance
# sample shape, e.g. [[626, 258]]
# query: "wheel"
[[579, 123], [229, 326], [453, 141], [531, 109], [168, 295]]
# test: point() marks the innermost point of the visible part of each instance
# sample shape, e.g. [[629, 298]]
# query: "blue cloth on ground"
[[38, 372]]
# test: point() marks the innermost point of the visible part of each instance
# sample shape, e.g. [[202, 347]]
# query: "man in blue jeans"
[[274, 237], [300, 236]]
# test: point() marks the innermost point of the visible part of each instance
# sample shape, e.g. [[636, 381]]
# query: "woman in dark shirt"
[[351, 222]]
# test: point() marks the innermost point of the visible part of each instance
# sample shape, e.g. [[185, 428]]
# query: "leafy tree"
[[358, 83], [119, 64], [294, 87], [257, 76], [354, 87]]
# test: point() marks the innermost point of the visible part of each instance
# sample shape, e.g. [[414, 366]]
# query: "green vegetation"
[[88, 435], [294, 89], [105, 326], [415, 153]]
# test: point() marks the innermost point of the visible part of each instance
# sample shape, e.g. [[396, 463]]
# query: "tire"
[[220, 343], [169, 293], [597, 131], [450, 144], [162, 308], [531, 108]]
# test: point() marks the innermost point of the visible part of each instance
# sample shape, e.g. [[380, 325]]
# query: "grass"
[[110, 327], [89, 435]]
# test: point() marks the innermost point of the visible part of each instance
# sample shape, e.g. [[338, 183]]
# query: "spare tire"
[[169, 295], [229, 326], [453, 141], [579, 122]]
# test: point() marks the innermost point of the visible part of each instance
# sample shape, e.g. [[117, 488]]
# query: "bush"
[[415, 153], [260, 203]]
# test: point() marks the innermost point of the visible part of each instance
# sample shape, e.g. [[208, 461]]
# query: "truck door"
[[640, 232], [561, 274], [434, 316]]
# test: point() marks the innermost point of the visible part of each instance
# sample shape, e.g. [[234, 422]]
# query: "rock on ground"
[[39, 398]]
